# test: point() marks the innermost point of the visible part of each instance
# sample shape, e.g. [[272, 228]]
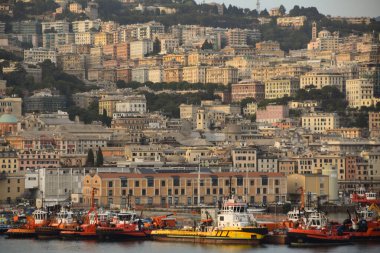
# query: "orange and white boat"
[[64, 221], [28, 229]]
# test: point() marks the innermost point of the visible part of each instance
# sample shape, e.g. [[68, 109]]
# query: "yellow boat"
[[234, 225]]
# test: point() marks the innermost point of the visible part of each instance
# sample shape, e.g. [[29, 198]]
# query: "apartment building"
[[140, 48], [293, 22], [247, 89], [281, 87], [358, 91], [374, 124], [222, 75], [194, 74], [320, 80], [320, 122], [38, 55], [11, 105]]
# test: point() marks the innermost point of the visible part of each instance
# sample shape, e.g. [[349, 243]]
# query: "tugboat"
[[64, 221], [234, 225], [316, 231], [29, 224], [125, 225], [366, 224], [361, 196], [4, 222], [87, 230]]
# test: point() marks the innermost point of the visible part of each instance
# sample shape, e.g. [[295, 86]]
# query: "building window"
[[239, 181], [137, 183], [110, 193], [124, 183], [143, 192], [176, 181], [137, 201], [264, 181], [150, 181], [169, 192], [124, 192], [163, 183], [156, 192], [110, 184], [258, 191], [182, 191], [277, 182], [214, 181]]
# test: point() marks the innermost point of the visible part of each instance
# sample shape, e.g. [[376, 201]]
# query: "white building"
[[84, 26], [140, 48], [55, 185], [140, 75], [156, 75], [84, 38], [135, 104], [321, 80], [55, 26], [38, 55]]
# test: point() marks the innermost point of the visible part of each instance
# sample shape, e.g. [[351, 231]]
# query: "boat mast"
[[199, 180]]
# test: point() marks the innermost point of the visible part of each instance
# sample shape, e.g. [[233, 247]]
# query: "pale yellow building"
[[173, 74], [320, 122], [194, 74], [222, 75], [358, 91], [9, 162], [12, 187], [103, 38], [294, 22], [263, 73], [13, 105], [321, 80], [281, 87], [317, 184]]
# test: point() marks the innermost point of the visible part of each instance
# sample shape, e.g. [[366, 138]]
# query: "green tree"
[[90, 158], [282, 10], [207, 45], [156, 46], [99, 158]]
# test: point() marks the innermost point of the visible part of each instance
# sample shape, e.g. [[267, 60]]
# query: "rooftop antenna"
[[258, 6]]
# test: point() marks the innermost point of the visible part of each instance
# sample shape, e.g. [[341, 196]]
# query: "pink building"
[[248, 89], [272, 113], [37, 160]]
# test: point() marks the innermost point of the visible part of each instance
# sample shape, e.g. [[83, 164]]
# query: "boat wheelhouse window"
[[221, 218]]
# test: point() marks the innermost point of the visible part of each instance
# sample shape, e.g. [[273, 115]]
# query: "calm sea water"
[[59, 246]]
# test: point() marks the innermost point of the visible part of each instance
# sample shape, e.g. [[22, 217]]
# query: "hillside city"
[[178, 103]]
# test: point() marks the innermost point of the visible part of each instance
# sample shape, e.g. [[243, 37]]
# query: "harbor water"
[[60, 246]]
